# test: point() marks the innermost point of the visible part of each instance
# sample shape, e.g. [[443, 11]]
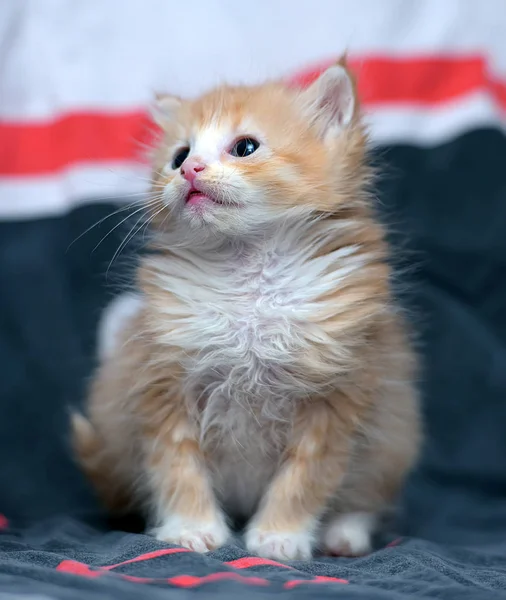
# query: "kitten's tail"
[[97, 464]]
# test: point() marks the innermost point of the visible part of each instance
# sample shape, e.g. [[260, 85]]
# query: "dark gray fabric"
[[446, 208], [63, 559]]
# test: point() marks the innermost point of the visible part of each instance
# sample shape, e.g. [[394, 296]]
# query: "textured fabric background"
[[75, 81]]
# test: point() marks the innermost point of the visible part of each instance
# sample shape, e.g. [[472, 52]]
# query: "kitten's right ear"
[[164, 108], [331, 101]]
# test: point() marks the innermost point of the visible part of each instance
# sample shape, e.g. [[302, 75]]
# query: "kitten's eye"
[[244, 147], [180, 157]]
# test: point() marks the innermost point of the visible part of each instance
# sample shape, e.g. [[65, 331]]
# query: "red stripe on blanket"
[[254, 561], [288, 585], [76, 568], [148, 556], [187, 581], [191, 581], [49, 147], [184, 581]]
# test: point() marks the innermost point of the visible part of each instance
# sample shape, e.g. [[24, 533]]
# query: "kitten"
[[265, 373]]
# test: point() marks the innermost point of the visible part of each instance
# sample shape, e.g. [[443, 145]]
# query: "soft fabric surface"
[[64, 559], [73, 92]]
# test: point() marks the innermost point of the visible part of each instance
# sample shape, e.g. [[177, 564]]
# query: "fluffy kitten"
[[264, 373]]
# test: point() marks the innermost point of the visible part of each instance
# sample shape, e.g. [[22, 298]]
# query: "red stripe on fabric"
[[49, 147], [254, 561], [42, 148], [184, 581], [76, 568], [4, 522], [317, 579], [419, 81], [188, 581], [148, 556]]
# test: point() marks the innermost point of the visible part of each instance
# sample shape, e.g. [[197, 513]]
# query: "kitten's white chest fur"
[[242, 326], [244, 370]]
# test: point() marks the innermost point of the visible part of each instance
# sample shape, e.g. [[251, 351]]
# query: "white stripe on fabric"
[[435, 125], [50, 196], [61, 56]]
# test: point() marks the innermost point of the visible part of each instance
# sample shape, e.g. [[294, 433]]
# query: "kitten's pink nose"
[[190, 168]]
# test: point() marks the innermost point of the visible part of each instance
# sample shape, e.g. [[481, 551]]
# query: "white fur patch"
[[199, 536], [211, 141], [279, 545], [244, 323], [350, 535], [114, 320]]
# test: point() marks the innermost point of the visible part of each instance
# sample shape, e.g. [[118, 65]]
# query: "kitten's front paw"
[[196, 535], [280, 545], [350, 535]]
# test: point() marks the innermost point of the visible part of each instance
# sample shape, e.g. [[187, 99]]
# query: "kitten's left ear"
[[330, 102], [164, 108]]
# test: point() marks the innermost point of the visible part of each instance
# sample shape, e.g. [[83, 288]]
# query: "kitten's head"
[[239, 159]]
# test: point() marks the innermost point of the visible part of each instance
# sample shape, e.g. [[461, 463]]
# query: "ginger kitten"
[[265, 373]]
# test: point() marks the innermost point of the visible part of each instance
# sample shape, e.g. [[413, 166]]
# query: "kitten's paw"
[[199, 536], [280, 545], [349, 535]]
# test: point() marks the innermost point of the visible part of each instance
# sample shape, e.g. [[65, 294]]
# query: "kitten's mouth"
[[196, 197]]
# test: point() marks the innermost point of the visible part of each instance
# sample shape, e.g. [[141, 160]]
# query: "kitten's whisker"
[[142, 208], [127, 207], [146, 224], [130, 235]]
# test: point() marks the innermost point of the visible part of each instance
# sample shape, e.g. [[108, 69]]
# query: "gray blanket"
[[64, 559]]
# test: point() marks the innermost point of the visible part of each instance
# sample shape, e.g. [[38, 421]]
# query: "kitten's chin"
[[206, 218], [203, 205], [197, 219], [204, 229], [199, 201]]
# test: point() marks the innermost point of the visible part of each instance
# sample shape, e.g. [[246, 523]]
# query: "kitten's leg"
[[186, 511], [382, 457], [103, 469], [350, 534], [317, 457]]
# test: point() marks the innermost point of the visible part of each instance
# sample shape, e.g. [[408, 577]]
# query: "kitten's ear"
[[331, 100], [164, 107]]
